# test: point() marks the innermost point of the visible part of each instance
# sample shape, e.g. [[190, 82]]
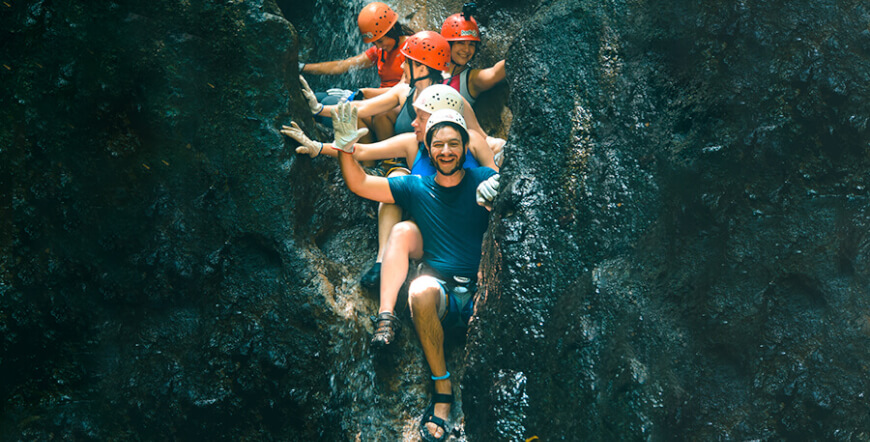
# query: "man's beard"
[[455, 169]]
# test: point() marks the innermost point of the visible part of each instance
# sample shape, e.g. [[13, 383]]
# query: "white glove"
[[313, 104], [498, 158], [308, 146], [487, 191], [342, 94], [344, 123], [301, 66], [497, 146]]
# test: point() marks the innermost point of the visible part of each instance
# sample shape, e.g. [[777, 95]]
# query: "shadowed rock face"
[[680, 247], [169, 266]]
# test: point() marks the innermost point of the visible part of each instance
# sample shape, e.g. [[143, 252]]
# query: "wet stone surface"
[[679, 248]]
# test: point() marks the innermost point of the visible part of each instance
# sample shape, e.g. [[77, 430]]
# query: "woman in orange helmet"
[[378, 25], [427, 55], [462, 32]]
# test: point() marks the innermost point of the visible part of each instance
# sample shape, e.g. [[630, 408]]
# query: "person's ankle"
[[444, 386]]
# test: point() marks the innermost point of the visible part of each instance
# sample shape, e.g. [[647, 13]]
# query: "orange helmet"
[[375, 20], [459, 28], [429, 48]]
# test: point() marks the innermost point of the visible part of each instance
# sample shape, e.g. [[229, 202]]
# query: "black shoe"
[[371, 280]]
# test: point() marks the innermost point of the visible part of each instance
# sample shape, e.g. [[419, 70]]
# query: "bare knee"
[[404, 230], [424, 295], [405, 238]]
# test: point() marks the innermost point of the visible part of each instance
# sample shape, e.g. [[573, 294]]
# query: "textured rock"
[[680, 248], [170, 268]]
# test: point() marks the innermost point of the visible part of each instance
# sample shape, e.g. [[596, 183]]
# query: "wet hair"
[[399, 30], [476, 43], [463, 134], [434, 75], [431, 73]]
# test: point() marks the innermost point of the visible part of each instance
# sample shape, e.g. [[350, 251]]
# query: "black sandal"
[[387, 327], [429, 416]]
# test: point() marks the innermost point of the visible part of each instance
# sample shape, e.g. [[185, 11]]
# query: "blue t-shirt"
[[451, 222], [423, 164]]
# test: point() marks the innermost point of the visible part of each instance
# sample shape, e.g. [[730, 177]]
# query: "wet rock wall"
[[162, 274], [680, 245], [679, 250]]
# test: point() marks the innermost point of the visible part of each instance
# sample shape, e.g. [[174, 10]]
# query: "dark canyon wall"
[[681, 245], [163, 272], [680, 249]]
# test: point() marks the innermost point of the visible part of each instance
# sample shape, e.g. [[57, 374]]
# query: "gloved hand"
[[313, 104], [308, 146], [344, 123], [301, 66], [497, 146], [498, 158], [487, 191], [342, 94]]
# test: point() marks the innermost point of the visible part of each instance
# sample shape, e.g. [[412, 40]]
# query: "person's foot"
[[371, 279], [441, 411], [433, 426], [386, 328]]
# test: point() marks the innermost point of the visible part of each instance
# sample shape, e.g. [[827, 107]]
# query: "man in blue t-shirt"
[[447, 236]]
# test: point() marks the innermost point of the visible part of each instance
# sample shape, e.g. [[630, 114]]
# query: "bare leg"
[[424, 295], [368, 138], [405, 242], [384, 124], [388, 216]]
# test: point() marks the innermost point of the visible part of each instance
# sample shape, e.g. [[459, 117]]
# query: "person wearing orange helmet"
[[462, 32], [427, 55], [379, 25]]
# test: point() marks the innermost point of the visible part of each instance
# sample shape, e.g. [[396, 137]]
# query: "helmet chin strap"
[[413, 81]]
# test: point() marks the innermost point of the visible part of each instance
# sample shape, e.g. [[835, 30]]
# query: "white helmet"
[[446, 115], [437, 97]]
